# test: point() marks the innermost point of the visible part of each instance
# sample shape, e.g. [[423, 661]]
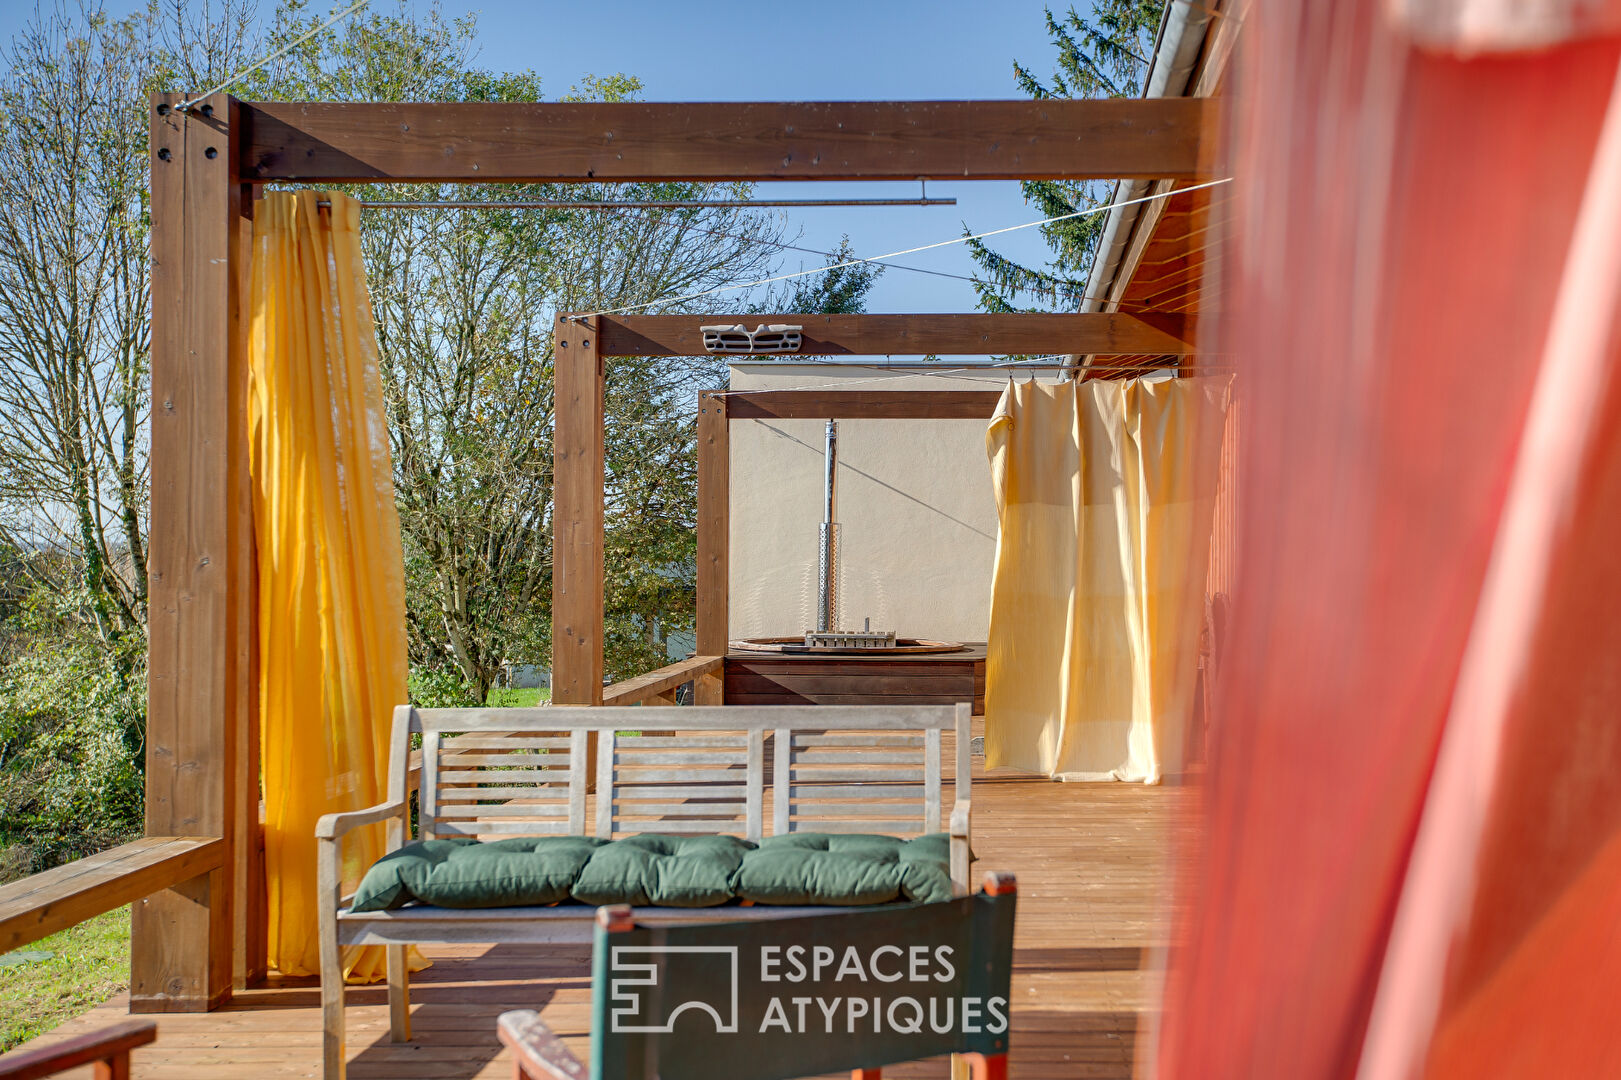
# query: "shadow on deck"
[[1093, 884]]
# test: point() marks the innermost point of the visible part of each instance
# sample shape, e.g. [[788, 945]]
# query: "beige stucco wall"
[[914, 502]]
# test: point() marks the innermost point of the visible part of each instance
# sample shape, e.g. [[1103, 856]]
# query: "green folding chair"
[[773, 999]]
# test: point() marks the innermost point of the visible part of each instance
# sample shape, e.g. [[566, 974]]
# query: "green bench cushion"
[[851, 869], [654, 870], [663, 871], [523, 871]]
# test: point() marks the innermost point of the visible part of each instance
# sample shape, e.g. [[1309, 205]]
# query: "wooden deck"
[[1093, 882]]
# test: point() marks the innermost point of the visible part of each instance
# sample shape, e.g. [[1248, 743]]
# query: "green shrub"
[[439, 688], [71, 741]]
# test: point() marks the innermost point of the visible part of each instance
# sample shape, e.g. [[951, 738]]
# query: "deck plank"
[[1093, 880]]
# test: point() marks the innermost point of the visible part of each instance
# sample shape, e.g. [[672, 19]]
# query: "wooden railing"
[[106, 1050], [660, 685], [68, 895], [656, 687]]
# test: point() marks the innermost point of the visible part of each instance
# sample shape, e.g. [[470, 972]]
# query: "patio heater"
[[827, 634], [827, 566]]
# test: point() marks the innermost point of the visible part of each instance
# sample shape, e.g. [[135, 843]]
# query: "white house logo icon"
[[627, 1011]]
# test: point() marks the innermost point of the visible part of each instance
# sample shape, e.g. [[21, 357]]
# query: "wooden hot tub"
[[875, 678]]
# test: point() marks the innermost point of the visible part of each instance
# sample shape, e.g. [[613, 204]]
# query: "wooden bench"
[[856, 769]]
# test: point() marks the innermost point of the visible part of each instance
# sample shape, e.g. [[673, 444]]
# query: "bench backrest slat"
[[691, 783], [931, 785], [756, 784], [687, 718], [428, 807], [690, 770], [579, 753], [491, 777], [856, 783]]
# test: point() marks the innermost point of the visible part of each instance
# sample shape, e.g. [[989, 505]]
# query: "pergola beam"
[[487, 142], [1017, 333]]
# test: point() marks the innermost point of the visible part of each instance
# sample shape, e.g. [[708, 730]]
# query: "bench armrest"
[[332, 826], [540, 1054], [961, 852], [330, 830]]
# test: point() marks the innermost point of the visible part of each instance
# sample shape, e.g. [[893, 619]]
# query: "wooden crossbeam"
[[525, 142], [862, 404], [1096, 332], [66, 896]]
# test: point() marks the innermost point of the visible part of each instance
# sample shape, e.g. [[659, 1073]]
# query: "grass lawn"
[[501, 697], [90, 963]]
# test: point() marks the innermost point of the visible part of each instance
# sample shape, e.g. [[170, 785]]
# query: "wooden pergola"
[[201, 931]]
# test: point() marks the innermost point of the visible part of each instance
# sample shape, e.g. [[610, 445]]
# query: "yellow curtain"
[[1105, 491], [331, 575]]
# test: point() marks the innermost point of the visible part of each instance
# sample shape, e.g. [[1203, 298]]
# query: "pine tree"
[[1106, 55], [840, 290]]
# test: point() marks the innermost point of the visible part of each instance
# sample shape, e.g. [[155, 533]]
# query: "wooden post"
[[577, 479], [714, 540], [201, 603]]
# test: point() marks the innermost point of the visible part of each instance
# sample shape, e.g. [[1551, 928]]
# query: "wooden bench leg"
[[399, 994], [332, 1024], [332, 1035]]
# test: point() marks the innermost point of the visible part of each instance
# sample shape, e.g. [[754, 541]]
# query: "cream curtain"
[[332, 649], [1105, 491]]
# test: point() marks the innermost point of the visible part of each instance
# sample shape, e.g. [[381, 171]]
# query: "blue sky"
[[731, 50], [831, 50]]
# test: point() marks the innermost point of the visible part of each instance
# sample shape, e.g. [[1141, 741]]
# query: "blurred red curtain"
[[1411, 861]]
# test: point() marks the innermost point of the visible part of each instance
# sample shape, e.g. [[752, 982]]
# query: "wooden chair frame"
[[107, 1052], [539, 1054]]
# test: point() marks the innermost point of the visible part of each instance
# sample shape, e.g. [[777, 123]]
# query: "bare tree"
[[464, 304], [74, 309]]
